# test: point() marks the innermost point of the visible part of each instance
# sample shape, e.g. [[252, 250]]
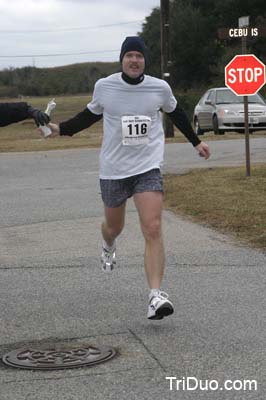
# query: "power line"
[[69, 29], [61, 54]]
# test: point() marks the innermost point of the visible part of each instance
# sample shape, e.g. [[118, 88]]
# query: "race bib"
[[135, 129]]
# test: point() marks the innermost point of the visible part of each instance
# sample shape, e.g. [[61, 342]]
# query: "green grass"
[[223, 198]]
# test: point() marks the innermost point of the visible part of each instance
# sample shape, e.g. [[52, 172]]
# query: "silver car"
[[220, 110]]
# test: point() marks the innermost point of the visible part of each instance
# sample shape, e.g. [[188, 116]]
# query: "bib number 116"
[[137, 129]]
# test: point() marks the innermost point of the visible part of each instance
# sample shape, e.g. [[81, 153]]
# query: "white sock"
[[108, 247], [154, 292]]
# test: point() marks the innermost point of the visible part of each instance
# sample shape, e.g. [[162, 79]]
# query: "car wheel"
[[197, 128], [215, 125]]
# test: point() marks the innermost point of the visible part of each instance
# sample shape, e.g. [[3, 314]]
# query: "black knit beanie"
[[134, 43]]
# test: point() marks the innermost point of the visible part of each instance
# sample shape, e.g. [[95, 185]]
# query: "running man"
[[131, 157], [15, 112]]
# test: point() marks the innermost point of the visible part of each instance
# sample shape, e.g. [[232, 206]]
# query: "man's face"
[[133, 64]]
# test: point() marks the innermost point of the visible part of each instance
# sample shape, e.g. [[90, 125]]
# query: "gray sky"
[[50, 28]]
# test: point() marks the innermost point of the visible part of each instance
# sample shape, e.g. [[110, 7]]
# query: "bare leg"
[[114, 223], [149, 206]]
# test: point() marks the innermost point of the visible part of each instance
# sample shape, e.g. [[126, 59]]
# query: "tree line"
[[198, 56], [70, 79]]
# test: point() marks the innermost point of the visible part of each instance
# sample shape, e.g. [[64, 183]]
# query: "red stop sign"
[[245, 75]]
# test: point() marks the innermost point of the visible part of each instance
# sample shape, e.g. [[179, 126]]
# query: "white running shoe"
[[108, 259], [159, 306]]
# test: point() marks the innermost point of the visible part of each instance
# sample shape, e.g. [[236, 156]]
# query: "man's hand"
[[39, 117], [54, 128], [204, 150]]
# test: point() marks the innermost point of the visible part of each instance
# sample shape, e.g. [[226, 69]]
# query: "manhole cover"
[[58, 358]]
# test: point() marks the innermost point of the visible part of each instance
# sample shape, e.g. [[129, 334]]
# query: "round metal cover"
[[58, 358]]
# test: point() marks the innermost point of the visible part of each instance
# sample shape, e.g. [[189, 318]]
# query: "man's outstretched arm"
[[180, 120], [81, 121]]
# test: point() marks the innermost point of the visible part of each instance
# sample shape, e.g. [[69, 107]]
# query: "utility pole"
[[165, 62]]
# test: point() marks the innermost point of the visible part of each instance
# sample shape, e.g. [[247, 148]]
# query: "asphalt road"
[[53, 291]]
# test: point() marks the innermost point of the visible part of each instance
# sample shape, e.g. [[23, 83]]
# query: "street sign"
[[243, 21], [240, 32], [245, 75]]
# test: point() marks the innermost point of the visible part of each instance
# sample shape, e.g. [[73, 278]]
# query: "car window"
[[211, 96], [204, 97], [256, 98], [226, 96]]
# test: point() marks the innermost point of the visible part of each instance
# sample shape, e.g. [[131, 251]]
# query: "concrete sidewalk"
[[53, 291]]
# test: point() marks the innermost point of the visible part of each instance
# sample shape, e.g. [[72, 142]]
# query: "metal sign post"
[[243, 22]]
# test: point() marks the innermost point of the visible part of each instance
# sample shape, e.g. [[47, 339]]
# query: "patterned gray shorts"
[[116, 191]]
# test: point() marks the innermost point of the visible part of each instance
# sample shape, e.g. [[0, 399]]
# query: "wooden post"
[[165, 62]]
